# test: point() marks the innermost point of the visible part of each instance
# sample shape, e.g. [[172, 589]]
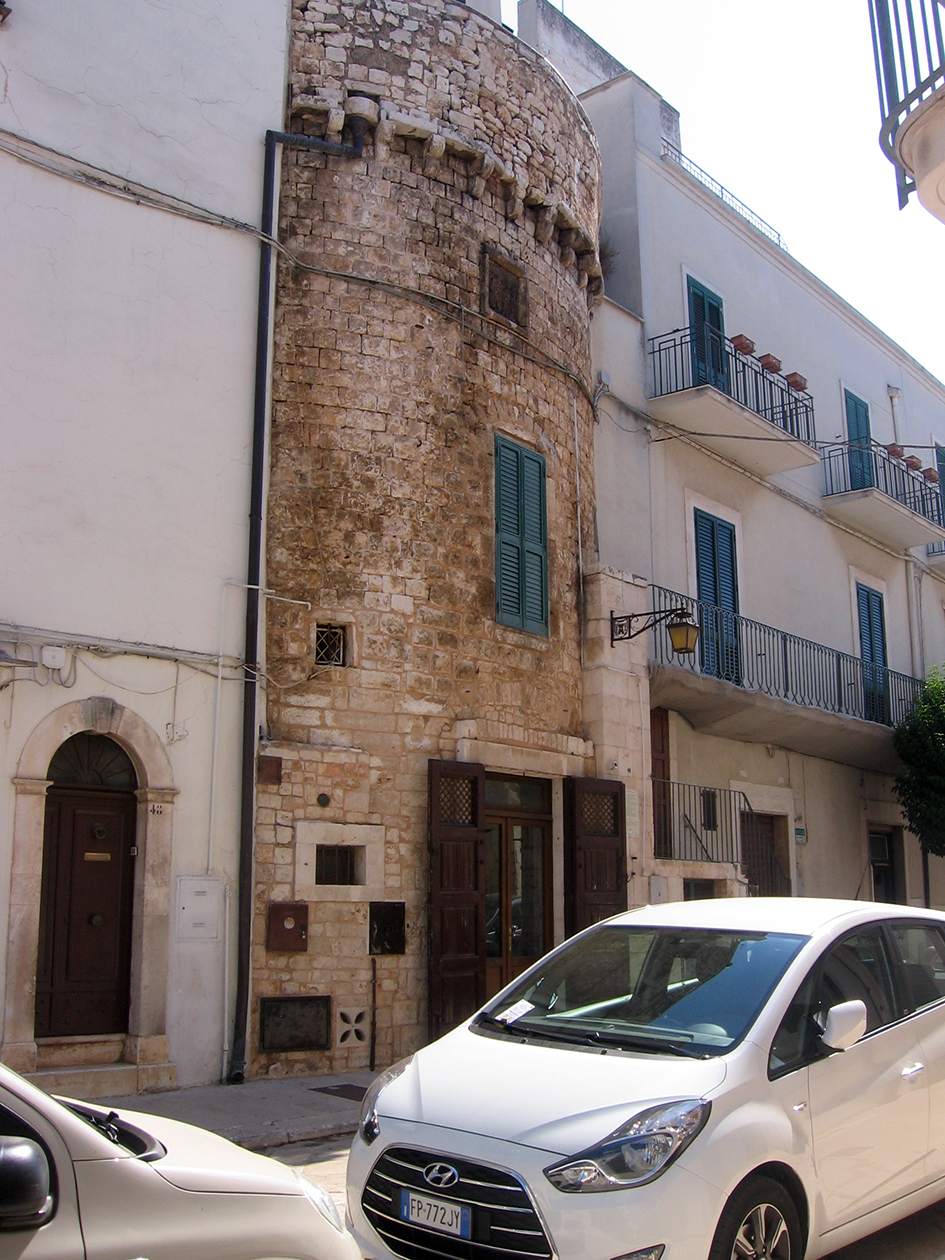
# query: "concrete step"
[[105, 1080]]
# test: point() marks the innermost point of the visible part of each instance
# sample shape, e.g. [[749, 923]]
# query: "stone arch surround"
[[146, 1042]]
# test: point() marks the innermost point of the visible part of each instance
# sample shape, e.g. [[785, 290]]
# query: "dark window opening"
[[337, 863], [330, 645]]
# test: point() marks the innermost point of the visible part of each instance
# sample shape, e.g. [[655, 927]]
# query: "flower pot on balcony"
[[894, 450], [931, 474], [796, 381], [913, 462], [743, 344], [770, 362]]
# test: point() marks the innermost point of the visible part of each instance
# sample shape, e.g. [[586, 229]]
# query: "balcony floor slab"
[[734, 431], [724, 709], [879, 516]]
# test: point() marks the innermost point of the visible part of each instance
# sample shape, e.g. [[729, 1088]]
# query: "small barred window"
[[330, 645], [339, 864]]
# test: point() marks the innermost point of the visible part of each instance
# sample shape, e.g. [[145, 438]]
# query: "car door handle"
[[912, 1069]]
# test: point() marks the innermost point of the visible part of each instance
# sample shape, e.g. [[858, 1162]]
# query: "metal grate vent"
[[600, 814], [330, 645], [457, 798], [504, 1224]]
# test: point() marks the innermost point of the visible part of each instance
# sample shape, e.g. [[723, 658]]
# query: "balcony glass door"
[[707, 333], [859, 439], [717, 589], [873, 654]]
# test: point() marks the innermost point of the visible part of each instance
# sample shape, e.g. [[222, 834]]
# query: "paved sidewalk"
[[262, 1113]]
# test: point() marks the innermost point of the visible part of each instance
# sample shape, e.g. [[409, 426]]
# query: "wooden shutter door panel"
[[457, 920], [858, 436], [595, 851], [535, 549]]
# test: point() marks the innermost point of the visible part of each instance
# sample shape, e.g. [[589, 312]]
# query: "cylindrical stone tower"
[[431, 496]]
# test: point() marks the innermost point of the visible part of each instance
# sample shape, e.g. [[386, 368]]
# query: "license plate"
[[448, 1218]]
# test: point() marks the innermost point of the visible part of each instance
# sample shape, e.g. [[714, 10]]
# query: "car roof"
[[803, 915]]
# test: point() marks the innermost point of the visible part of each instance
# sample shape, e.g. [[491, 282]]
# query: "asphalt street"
[[921, 1237]]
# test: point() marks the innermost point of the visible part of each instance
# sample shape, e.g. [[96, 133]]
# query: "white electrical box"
[[53, 657], [656, 890], [199, 909]]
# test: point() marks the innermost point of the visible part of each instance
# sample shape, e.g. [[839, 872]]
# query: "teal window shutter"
[[717, 591], [707, 337], [873, 653], [521, 538], [858, 436]]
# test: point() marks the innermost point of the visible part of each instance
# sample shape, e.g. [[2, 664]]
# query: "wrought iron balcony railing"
[[734, 203], [909, 52], [703, 824], [784, 666], [869, 466], [686, 357]]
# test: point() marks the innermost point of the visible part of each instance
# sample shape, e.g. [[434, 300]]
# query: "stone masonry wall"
[[387, 397]]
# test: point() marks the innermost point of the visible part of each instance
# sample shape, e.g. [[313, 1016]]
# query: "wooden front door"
[[84, 967], [519, 926]]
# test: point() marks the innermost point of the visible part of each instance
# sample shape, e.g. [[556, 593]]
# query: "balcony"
[[750, 682], [864, 486], [909, 52], [704, 386], [715, 826], [935, 555]]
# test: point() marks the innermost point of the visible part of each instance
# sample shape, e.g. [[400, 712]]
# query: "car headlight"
[[368, 1123], [322, 1201], [635, 1153]]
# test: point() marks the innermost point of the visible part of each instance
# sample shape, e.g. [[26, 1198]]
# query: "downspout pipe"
[[274, 141]]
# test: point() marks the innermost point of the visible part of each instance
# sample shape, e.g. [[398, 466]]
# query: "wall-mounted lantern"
[[683, 629]]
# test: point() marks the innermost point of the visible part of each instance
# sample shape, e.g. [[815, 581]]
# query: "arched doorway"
[[84, 964]]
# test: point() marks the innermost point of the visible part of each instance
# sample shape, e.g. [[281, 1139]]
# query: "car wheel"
[[759, 1222]]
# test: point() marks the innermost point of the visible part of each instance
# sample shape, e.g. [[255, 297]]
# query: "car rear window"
[[690, 991]]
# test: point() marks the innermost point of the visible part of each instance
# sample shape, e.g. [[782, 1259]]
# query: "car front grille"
[[504, 1222]]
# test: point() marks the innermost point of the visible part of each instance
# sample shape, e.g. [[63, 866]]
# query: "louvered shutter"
[[707, 337], [697, 321], [595, 852], [508, 540], [535, 543], [717, 590], [858, 436], [873, 653], [727, 591], [457, 921], [521, 538]]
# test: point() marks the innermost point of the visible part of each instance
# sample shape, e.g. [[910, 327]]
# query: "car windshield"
[[690, 991]]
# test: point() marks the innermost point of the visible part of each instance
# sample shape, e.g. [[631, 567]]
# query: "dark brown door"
[[766, 876], [662, 801], [595, 852], [519, 925], [84, 971], [457, 893]]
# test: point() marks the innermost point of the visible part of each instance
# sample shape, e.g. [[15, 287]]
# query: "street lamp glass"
[[683, 634]]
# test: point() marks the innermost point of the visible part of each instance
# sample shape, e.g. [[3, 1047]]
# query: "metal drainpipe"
[[274, 139]]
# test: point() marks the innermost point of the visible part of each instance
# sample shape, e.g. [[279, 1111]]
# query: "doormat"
[[352, 1092]]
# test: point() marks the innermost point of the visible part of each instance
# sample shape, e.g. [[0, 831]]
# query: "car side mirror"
[[25, 1201], [846, 1024]]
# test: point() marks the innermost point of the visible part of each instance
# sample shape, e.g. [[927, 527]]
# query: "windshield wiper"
[[585, 1037], [641, 1041]]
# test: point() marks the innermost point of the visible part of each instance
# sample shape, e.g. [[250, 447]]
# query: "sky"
[[778, 102]]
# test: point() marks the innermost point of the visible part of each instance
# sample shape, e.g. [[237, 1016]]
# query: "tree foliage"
[[920, 743]]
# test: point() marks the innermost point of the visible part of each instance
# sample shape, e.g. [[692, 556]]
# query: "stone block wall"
[[389, 388]]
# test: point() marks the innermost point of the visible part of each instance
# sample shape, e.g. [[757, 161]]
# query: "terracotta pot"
[[930, 474], [743, 344], [894, 450], [913, 462], [796, 381], [770, 362]]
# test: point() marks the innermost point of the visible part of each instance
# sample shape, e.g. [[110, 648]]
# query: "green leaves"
[[920, 788]]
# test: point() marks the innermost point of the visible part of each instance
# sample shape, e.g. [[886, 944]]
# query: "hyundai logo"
[[440, 1175]]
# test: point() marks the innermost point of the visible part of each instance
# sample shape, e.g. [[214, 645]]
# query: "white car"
[[730, 1079], [78, 1182]]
